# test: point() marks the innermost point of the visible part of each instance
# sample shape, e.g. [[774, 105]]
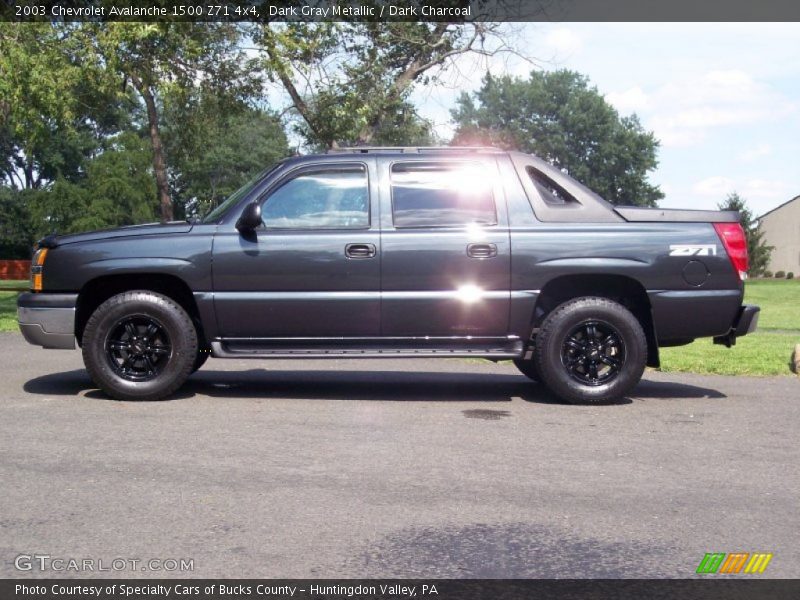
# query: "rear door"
[[445, 259]]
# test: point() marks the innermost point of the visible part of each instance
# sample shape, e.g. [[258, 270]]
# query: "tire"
[[201, 358], [139, 345], [528, 368], [590, 350]]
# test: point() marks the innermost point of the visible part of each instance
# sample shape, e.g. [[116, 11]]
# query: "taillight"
[[735, 242]]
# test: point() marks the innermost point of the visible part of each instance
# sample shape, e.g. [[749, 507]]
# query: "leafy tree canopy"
[[16, 231], [561, 118], [53, 115], [350, 83], [118, 189], [215, 146], [159, 59]]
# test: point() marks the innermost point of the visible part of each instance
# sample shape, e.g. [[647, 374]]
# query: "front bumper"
[[746, 322], [47, 320]]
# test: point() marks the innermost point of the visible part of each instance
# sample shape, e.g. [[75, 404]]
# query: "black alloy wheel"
[[593, 353], [138, 347], [590, 350]]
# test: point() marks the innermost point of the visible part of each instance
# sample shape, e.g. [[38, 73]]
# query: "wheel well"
[[98, 290], [625, 290]]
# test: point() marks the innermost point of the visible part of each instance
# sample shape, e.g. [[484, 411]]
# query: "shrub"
[[767, 274], [790, 275], [780, 275]]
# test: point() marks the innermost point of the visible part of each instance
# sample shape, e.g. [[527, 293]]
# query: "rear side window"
[[336, 198], [442, 195], [549, 190]]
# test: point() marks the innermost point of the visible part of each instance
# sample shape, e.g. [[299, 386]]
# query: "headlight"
[[37, 264]]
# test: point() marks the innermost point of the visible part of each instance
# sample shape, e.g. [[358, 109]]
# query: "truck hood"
[[52, 241]]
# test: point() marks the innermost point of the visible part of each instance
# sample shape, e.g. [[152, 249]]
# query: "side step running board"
[[228, 349]]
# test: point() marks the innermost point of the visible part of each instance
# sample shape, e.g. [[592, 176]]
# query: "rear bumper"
[[47, 320], [746, 322], [692, 314]]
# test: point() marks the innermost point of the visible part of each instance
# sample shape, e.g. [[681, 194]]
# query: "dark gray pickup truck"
[[392, 252]]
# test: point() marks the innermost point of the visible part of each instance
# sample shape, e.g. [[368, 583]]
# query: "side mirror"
[[250, 218]]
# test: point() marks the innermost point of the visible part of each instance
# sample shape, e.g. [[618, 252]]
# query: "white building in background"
[[781, 227]]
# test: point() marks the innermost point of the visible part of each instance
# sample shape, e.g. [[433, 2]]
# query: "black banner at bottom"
[[396, 589]]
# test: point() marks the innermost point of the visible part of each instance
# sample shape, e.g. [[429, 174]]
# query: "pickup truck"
[[396, 252]]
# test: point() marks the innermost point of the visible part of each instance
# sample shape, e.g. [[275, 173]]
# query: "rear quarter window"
[[549, 190]]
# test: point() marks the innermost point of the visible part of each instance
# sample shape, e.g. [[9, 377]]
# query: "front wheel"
[[590, 350], [139, 345], [528, 368], [202, 357]]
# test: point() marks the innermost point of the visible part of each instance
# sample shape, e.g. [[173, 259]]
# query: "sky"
[[722, 98]]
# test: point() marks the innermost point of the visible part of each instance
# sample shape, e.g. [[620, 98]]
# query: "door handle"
[[482, 250], [360, 250]]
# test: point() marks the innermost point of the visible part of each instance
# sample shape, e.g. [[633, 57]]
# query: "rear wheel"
[[139, 345], [590, 350]]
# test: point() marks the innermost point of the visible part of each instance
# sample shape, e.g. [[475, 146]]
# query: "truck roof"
[[448, 150], [588, 206]]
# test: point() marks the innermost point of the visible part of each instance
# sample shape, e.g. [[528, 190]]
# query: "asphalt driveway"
[[393, 468]]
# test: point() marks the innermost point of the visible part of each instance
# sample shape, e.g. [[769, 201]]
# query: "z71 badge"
[[693, 250]]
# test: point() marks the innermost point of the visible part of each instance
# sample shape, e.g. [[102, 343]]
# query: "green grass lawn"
[[779, 300], [8, 304], [22, 283], [766, 352]]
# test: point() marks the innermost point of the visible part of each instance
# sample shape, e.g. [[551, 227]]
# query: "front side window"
[[218, 212], [326, 198], [442, 195]]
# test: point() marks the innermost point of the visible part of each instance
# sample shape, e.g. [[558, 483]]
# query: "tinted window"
[[238, 195], [549, 190], [441, 194], [320, 199]]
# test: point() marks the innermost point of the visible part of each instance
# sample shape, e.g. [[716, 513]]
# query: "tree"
[[757, 249], [57, 208], [58, 126], [561, 118], [215, 146], [349, 83], [52, 116], [170, 57], [120, 186], [16, 234], [117, 189]]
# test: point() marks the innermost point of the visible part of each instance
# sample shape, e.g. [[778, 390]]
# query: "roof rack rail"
[[412, 149]]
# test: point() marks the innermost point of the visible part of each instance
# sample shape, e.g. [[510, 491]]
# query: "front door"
[[446, 255], [313, 269]]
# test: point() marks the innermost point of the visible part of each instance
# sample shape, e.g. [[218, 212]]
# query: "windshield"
[[217, 213]]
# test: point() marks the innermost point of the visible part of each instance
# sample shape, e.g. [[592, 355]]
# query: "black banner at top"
[[262, 11]]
